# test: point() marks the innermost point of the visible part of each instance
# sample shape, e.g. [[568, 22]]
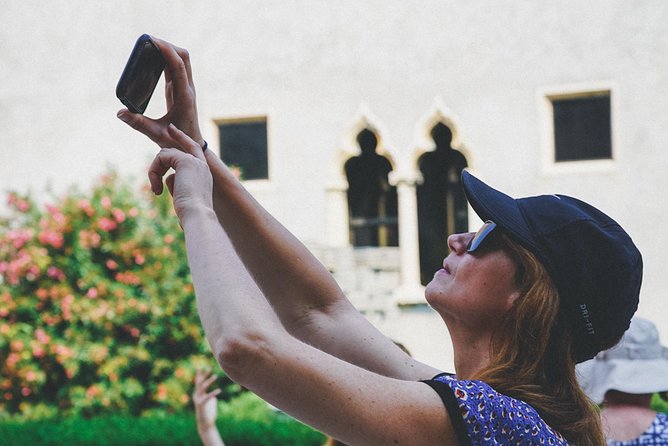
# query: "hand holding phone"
[[141, 75], [149, 58]]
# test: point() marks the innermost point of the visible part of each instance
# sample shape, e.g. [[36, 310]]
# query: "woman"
[[548, 281], [623, 380]]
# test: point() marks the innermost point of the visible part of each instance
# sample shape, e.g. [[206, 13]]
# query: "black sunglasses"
[[480, 236]]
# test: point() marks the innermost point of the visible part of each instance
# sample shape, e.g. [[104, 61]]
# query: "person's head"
[[367, 141], [585, 257], [442, 135], [567, 284], [638, 365]]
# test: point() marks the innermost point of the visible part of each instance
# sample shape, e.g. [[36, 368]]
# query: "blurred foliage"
[[97, 310], [660, 402]]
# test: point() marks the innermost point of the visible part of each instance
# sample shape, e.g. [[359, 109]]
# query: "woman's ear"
[[512, 298]]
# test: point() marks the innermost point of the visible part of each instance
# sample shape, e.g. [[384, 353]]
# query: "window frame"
[[546, 96], [243, 120]]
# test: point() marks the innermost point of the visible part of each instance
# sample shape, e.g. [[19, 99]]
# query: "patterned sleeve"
[[482, 416]]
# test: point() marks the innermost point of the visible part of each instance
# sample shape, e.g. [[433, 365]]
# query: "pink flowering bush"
[[97, 311]]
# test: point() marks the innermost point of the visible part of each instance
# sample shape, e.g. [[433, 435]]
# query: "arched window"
[[372, 201], [442, 206]]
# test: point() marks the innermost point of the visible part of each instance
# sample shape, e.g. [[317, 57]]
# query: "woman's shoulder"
[[486, 416]]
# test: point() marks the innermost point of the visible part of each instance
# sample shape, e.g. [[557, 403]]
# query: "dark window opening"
[[582, 128], [442, 206], [243, 146], [372, 201]]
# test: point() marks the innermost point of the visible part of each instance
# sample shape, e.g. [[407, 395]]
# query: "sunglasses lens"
[[479, 236]]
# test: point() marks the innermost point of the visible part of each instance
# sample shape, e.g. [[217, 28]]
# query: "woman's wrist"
[[195, 214], [203, 426]]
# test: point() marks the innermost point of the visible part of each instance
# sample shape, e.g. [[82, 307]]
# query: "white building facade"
[[498, 74]]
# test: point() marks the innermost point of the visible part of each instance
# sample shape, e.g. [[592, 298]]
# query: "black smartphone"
[[141, 75]]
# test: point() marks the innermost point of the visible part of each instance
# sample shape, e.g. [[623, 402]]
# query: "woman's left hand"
[[191, 185], [180, 100]]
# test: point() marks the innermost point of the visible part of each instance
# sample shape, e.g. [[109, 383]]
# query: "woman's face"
[[473, 288]]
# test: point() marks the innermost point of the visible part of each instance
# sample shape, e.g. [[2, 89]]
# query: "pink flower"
[[57, 215], [112, 265], [38, 351], [107, 224], [93, 391], [66, 307], [106, 202], [139, 259], [31, 376], [119, 215], [25, 391], [128, 278], [95, 239], [133, 212], [19, 237], [22, 205], [52, 238], [161, 393], [41, 336], [12, 359], [32, 272], [55, 273], [92, 293], [85, 206]]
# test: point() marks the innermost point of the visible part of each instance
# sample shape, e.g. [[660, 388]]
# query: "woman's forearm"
[[290, 277], [303, 294], [228, 300]]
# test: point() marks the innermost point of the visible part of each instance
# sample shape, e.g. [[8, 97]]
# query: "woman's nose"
[[458, 242]]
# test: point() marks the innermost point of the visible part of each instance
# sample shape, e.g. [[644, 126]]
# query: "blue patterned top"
[[655, 435], [482, 416]]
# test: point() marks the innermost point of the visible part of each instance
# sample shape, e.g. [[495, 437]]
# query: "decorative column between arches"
[[410, 290]]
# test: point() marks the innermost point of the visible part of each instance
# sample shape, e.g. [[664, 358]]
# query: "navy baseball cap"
[[592, 261]]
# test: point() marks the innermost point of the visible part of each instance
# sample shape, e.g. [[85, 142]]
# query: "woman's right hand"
[[180, 99], [191, 186]]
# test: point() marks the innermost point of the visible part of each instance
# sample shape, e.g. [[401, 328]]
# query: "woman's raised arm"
[[299, 288], [253, 347]]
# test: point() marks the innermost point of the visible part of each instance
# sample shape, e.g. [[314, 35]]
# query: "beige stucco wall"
[[314, 67]]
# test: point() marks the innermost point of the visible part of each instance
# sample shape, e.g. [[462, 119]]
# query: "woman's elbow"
[[239, 354]]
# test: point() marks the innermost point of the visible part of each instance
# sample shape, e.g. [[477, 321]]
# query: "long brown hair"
[[531, 355]]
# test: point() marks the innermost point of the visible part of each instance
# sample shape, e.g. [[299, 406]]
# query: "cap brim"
[[491, 204], [629, 376]]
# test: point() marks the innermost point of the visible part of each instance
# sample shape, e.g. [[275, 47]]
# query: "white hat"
[[637, 365]]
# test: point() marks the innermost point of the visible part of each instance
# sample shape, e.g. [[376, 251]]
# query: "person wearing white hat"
[[623, 379]]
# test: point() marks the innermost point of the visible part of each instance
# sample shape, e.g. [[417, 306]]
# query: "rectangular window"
[[582, 127], [243, 145]]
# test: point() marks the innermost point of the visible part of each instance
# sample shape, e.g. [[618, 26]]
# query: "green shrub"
[[97, 310], [166, 430]]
